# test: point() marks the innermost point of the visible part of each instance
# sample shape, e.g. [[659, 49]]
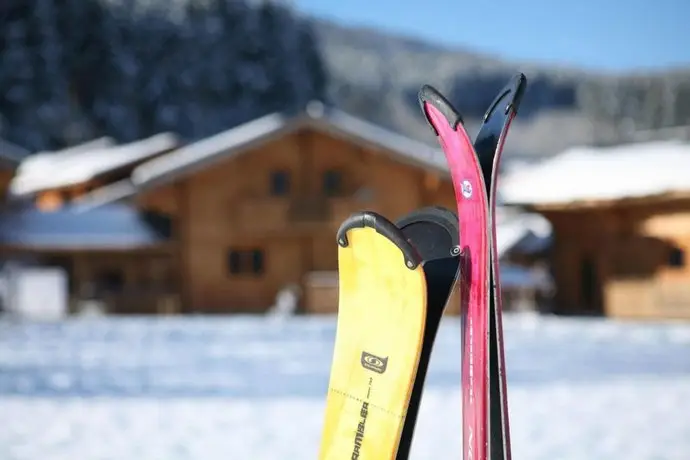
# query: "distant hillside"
[[75, 70], [376, 75]]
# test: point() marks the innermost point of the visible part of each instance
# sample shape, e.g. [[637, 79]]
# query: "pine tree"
[[116, 103], [78, 69], [50, 85], [17, 74], [315, 72]]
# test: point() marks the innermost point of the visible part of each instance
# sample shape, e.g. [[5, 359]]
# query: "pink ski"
[[485, 415]]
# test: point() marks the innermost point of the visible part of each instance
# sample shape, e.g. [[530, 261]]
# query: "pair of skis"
[[395, 280], [474, 171], [394, 283]]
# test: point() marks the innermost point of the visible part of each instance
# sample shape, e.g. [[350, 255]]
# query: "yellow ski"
[[379, 337]]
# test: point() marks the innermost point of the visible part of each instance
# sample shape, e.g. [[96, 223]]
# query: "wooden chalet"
[[256, 208], [101, 250], [52, 179], [224, 224], [621, 227]]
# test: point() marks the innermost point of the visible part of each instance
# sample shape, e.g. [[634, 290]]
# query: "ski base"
[[379, 336]]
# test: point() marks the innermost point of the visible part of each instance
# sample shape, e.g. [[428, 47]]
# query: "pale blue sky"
[[597, 34]]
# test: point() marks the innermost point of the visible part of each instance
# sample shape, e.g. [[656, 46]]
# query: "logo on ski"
[[374, 363], [466, 189], [359, 434]]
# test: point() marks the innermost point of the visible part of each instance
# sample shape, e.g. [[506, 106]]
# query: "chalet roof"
[[238, 140], [84, 162], [233, 142], [115, 226], [12, 154], [110, 193], [588, 174], [524, 232]]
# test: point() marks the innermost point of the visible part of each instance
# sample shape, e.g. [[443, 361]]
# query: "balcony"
[[309, 211], [261, 216], [342, 208]]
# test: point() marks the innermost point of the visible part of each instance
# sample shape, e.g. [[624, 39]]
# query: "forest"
[[72, 70]]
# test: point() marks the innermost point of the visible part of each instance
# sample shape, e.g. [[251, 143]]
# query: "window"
[[110, 281], [280, 183], [235, 262], [246, 261], [51, 200], [590, 289], [257, 261], [676, 258], [332, 183]]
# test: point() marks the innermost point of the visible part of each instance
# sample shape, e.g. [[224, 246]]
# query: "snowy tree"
[[316, 78], [77, 69], [50, 86], [296, 74], [16, 74]]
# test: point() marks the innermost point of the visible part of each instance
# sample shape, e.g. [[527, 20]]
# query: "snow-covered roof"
[[589, 174], [84, 162], [227, 144], [110, 193], [241, 138], [44, 162], [515, 276], [527, 231]]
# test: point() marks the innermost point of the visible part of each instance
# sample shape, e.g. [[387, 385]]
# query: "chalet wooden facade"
[[249, 212], [224, 224], [254, 214], [621, 228], [623, 259]]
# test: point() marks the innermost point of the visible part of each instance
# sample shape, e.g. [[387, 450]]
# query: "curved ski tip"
[[383, 227], [519, 85], [430, 95], [513, 91]]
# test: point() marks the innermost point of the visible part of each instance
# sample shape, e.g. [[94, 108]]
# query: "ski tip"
[[385, 228], [430, 95], [513, 91]]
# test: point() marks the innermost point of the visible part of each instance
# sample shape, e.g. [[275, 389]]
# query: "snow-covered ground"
[[250, 389]]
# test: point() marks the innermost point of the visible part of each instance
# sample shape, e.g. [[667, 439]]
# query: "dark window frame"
[[280, 182], [245, 262], [234, 262], [111, 280], [676, 258], [332, 182]]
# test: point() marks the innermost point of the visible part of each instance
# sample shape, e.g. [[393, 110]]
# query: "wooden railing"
[[309, 210], [261, 215], [269, 215]]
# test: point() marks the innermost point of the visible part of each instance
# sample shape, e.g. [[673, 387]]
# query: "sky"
[[602, 35]]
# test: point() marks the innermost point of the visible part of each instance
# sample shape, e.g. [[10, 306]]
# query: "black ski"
[[489, 146], [433, 231]]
